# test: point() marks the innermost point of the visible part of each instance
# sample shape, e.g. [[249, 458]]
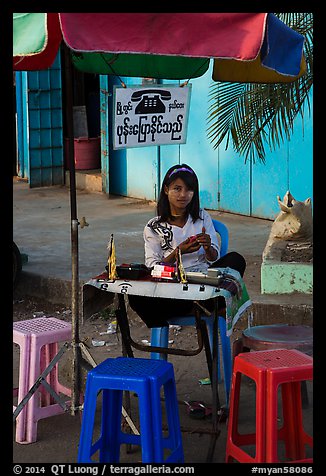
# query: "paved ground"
[[42, 231]]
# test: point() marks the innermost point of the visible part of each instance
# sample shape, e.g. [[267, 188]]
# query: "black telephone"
[[132, 271], [150, 100]]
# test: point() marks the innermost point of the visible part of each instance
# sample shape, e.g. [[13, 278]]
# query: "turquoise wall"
[[40, 126], [227, 183]]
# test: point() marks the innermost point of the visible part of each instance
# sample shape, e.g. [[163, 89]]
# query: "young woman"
[[180, 223]]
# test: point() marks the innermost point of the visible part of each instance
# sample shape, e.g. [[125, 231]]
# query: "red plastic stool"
[[270, 369], [38, 340], [277, 336]]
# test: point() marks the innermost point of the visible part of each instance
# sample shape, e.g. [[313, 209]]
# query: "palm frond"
[[253, 116]]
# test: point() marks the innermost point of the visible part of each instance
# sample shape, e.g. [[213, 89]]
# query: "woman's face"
[[179, 195]]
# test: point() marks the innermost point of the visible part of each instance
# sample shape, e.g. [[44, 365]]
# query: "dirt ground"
[[58, 436]]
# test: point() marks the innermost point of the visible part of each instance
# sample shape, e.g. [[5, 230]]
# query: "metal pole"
[[74, 237]]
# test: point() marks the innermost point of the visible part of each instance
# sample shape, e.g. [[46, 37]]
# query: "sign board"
[[146, 116]]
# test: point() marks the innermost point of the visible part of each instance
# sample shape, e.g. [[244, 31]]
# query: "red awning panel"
[[209, 35]]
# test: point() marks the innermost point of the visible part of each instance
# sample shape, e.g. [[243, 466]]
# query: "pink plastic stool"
[[21, 336], [38, 340]]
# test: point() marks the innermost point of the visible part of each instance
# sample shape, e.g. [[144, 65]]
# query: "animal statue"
[[293, 223]]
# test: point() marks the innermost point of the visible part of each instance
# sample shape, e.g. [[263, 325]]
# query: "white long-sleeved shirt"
[[162, 238]]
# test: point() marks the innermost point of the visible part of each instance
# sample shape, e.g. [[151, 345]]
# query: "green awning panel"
[[29, 33], [134, 65]]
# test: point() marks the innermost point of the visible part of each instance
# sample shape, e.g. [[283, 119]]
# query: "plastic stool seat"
[[270, 369], [145, 377], [41, 325], [38, 341], [267, 337]]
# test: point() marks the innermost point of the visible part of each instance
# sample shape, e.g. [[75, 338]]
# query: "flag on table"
[[111, 268], [179, 268]]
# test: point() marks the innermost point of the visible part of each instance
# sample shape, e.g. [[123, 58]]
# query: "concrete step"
[[90, 180]]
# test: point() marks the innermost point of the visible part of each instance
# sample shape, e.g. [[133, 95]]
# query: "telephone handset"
[[150, 100]]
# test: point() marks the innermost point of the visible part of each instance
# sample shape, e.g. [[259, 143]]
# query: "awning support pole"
[[74, 237]]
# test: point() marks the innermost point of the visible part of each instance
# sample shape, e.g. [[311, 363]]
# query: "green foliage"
[[251, 115]]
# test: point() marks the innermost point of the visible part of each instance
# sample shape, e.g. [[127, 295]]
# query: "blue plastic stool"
[[160, 337], [145, 377]]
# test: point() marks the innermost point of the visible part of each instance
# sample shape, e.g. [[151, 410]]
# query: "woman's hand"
[[204, 239], [193, 243], [190, 245]]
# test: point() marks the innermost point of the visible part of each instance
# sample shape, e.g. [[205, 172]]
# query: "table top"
[[232, 288], [147, 287]]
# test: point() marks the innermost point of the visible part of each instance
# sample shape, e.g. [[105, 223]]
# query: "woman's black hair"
[[189, 177]]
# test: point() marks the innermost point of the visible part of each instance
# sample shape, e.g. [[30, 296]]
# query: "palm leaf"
[[253, 116]]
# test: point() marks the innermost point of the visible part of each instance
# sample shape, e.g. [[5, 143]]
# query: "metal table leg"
[[216, 407], [122, 319]]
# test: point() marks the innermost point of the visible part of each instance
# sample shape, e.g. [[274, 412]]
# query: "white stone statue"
[[293, 224]]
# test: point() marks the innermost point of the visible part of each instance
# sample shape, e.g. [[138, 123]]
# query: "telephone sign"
[[147, 116]]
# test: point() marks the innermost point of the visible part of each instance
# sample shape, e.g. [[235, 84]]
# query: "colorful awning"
[[36, 40], [245, 47]]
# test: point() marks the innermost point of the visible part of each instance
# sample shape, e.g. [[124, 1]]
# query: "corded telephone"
[[132, 271], [150, 100]]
